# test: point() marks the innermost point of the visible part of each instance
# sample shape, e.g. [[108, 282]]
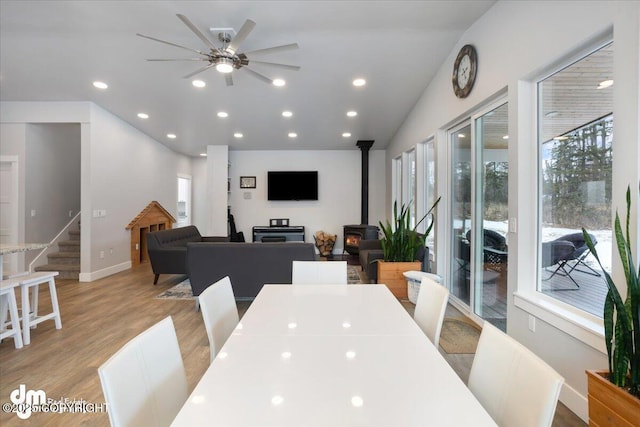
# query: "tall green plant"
[[401, 242], [622, 335]]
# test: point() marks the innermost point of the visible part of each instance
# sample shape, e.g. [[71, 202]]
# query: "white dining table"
[[329, 355]]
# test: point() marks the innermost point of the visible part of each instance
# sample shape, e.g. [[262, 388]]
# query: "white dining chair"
[[319, 273], [515, 386], [430, 307], [144, 383], [220, 313]]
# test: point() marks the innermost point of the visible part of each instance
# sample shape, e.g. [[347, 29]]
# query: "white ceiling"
[[54, 50]]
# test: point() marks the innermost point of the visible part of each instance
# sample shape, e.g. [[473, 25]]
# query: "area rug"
[[459, 336], [183, 289]]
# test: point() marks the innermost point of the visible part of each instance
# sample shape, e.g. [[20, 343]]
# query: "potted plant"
[[401, 243], [615, 395]]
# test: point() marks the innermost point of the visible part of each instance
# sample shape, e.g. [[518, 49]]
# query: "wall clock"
[[247, 182], [464, 71]]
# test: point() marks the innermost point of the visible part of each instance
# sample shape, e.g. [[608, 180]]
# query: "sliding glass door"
[[479, 225]]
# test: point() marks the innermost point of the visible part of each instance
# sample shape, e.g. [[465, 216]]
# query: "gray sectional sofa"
[[168, 249], [248, 265]]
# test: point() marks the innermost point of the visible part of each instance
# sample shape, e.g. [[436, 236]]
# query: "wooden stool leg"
[[54, 303], [26, 317], [4, 307], [15, 322], [35, 289]]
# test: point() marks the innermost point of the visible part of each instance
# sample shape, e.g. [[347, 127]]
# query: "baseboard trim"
[[99, 274], [575, 401]]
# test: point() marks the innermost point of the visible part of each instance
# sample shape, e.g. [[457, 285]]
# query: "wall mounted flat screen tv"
[[292, 185]]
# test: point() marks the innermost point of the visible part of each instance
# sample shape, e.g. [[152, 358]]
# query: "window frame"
[[581, 325]]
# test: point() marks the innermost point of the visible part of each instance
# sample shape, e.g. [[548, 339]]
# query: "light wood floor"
[[97, 319]]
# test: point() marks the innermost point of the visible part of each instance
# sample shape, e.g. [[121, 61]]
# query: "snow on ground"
[[603, 247]]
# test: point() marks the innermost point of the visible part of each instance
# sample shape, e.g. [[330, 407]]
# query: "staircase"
[[67, 260]]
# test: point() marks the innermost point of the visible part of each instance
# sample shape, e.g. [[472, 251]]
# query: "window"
[[409, 183], [575, 137]]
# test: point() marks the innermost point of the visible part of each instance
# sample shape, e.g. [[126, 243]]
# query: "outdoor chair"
[[568, 253]]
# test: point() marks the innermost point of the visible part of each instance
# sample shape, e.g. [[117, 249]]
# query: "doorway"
[[479, 225], [9, 210], [184, 200]]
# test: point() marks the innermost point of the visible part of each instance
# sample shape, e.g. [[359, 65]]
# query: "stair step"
[[69, 246], [72, 258], [74, 235], [65, 271]]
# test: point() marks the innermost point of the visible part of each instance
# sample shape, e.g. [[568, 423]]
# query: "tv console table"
[[278, 234]]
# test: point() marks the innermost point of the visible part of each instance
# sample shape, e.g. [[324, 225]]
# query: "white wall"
[[122, 170], [516, 41], [128, 170], [52, 183], [338, 204]]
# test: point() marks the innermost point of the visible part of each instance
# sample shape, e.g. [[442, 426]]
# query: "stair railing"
[[53, 243]]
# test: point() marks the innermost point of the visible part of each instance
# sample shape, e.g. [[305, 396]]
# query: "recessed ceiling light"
[[287, 114], [346, 135], [198, 83], [605, 84], [505, 137], [171, 136], [352, 113], [222, 114], [293, 135], [238, 135], [203, 154], [357, 401], [279, 82], [100, 85], [143, 115], [359, 82]]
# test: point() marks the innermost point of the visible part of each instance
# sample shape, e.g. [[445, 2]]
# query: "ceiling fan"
[[227, 58]]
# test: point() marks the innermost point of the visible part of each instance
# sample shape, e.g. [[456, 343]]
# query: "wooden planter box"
[[610, 405], [390, 274]]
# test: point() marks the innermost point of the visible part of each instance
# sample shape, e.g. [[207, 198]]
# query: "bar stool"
[[30, 317], [8, 303]]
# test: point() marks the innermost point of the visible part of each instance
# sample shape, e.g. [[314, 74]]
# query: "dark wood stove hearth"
[[354, 233]]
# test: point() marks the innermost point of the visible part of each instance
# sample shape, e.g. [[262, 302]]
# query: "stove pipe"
[[364, 208]]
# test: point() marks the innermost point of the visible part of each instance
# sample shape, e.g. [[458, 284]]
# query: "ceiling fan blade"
[[197, 32], [273, 49], [198, 71], [242, 34], [274, 64], [171, 44], [258, 75], [228, 79], [180, 59]]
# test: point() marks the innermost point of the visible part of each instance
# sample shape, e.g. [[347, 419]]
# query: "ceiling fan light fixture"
[[224, 65], [279, 82]]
